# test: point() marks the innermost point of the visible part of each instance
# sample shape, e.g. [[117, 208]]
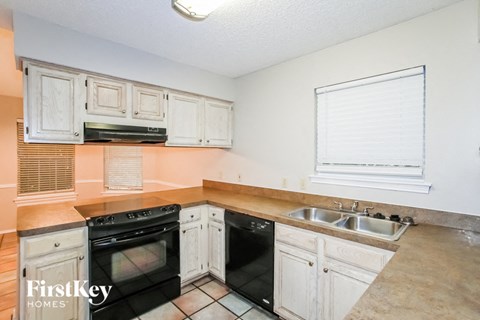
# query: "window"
[[370, 132], [44, 168], [123, 168]]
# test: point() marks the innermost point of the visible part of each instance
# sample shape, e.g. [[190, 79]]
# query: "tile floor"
[[8, 274], [208, 299]]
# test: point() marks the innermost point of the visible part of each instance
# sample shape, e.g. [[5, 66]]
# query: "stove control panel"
[[131, 216]]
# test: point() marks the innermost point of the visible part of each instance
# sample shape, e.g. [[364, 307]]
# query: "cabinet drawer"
[[54, 242], [372, 259], [190, 214], [296, 237], [216, 213]]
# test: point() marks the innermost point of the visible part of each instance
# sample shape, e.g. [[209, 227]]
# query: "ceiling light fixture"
[[196, 9]]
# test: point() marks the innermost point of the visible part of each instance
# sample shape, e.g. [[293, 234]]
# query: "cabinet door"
[[343, 286], [55, 269], [148, 103], [185, 120], [216, 249], [295, 283], [191, 262], [218, 123], [107, 97], [52, 104]]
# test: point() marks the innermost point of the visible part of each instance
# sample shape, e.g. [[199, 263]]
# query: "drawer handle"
[[124, 111], [325, 270], [81, 258], [76, 134], [310, 264], [57, 244]]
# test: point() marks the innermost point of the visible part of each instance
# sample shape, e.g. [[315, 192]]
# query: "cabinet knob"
[[81, 258], [310, 264], [76, 134], [200, 140], [191, 216], [136, 112], [124, 111], [184, 231], [213, 214], [208, 141], [219, 230], [325, 270], [57, 244]]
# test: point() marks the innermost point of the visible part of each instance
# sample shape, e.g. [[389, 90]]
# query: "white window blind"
[[123, 168], [44, 168], [372, 126]]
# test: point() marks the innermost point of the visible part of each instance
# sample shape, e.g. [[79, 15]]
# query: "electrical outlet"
[[303, 184], [284, 182]]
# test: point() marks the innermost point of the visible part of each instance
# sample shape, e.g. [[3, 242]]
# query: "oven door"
[[134, 262]]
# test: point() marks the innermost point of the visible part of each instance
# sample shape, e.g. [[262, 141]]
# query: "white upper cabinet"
[[53, 99], [106, 97], [199, 122], [148, 103], [58, 100], [218, 123], [185, 127]]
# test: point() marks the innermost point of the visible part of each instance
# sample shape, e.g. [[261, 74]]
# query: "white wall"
[[274, 112], [41, 40]]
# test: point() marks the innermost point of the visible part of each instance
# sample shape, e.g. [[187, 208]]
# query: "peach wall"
[[10, 77], [11, 109]]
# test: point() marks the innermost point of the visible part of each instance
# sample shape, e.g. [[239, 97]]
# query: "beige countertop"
[[435, 273]]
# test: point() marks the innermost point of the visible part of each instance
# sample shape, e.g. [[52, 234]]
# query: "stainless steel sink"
[[384, 229], [316, 215]]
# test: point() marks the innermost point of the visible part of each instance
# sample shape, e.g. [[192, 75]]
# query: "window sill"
[[120, 192], [415, 185], [21, 201]]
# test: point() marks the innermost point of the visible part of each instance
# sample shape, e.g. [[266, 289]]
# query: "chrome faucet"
[[339, 205], [354, 206]]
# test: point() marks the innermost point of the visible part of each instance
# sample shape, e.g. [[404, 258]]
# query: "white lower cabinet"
[[216, 242], [343, 286], [295, 282], [193, 244], [343, 272], [53, 259]]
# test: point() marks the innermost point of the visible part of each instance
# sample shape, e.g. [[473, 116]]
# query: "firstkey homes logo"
[[76, 288]]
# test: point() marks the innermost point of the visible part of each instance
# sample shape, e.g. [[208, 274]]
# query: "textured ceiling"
[[240, 37]]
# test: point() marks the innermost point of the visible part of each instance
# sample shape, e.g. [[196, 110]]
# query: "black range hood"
[[113, 133]]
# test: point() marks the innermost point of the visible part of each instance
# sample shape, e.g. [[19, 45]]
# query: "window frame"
[[387, 177]]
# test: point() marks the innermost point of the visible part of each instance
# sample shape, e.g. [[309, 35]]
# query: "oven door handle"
[[114, 242]]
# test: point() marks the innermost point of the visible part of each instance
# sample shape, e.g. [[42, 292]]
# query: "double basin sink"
[[378, 228]]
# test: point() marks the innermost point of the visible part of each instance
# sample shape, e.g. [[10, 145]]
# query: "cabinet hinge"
[[86, 83], [167, 97], [201, 266], [24, 272], [86, 106], [26, 71], [201, 227], [26, 130], [164, 114]]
